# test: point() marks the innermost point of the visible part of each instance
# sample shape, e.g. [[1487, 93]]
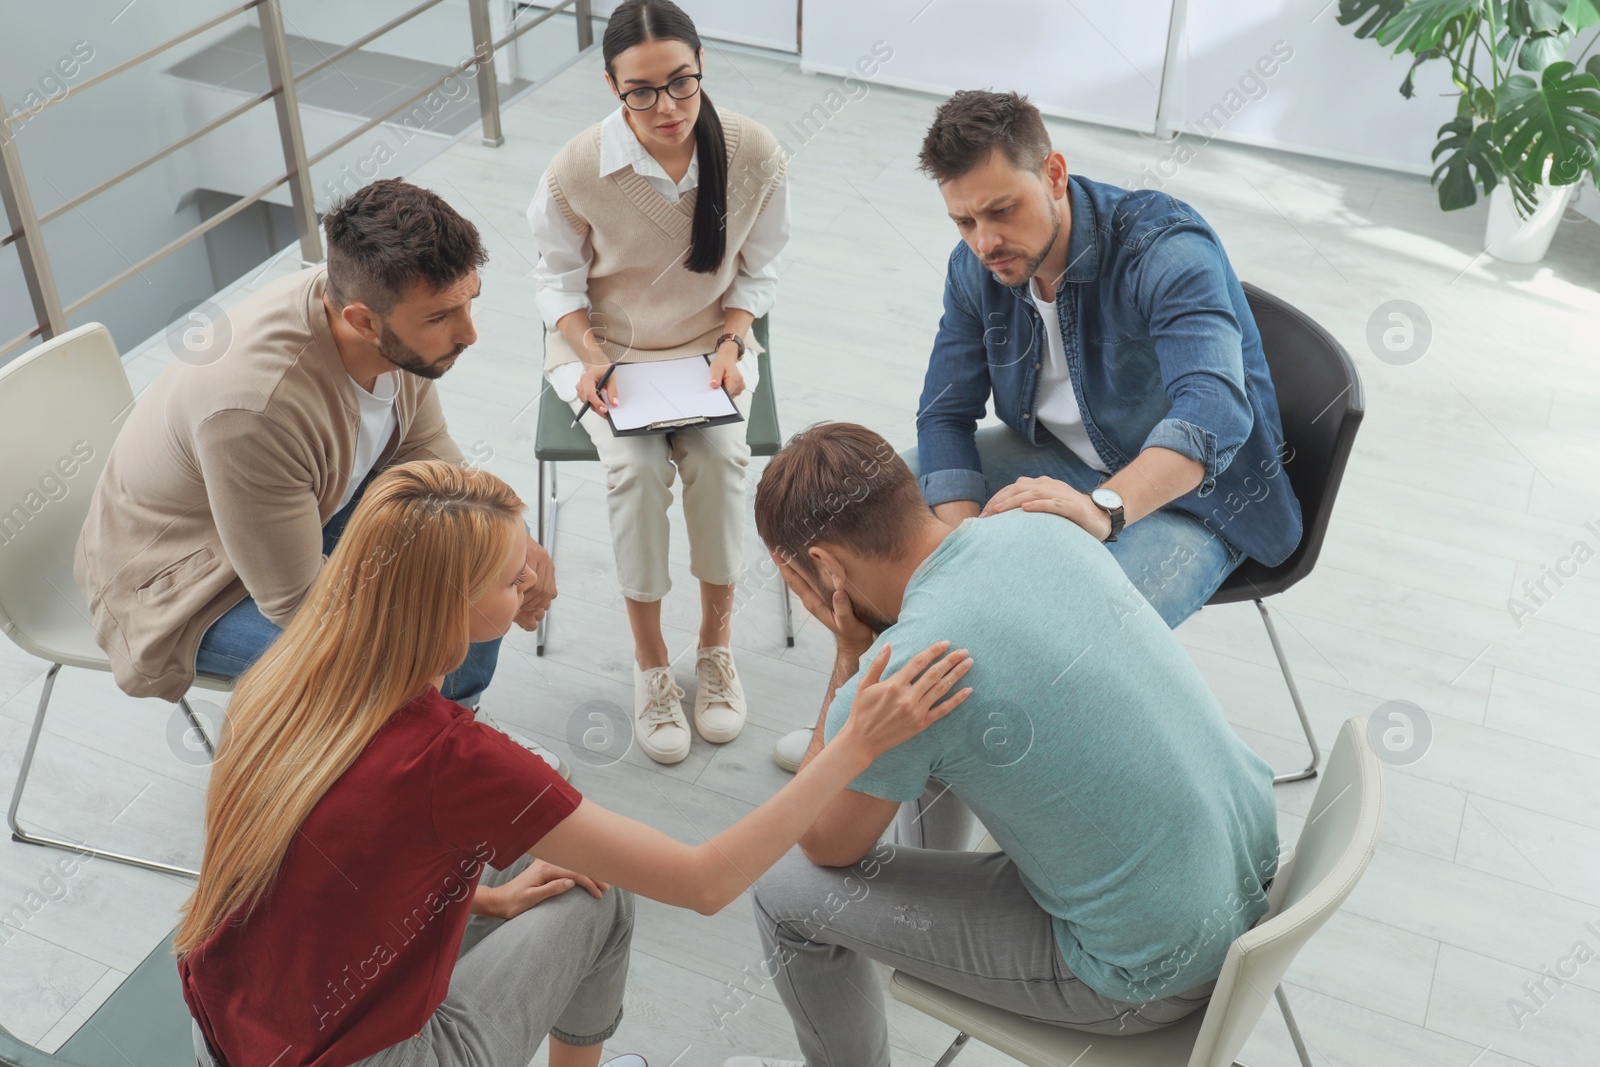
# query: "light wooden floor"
[[1475, 469]]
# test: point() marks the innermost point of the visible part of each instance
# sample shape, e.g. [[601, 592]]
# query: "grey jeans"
[[559, 968], [961, 920]]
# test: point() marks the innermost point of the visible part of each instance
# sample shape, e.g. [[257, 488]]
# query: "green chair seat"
[[144, 1022]]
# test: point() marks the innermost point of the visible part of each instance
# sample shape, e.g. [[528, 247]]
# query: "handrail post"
[[488, 87], [280, 72], [22, 218], [580, 8]]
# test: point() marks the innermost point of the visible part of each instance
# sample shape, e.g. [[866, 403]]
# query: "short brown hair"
[[385, 237], [838, 482], [973, 121]]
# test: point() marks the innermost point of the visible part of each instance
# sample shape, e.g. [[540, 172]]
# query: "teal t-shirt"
[[1090, 748]]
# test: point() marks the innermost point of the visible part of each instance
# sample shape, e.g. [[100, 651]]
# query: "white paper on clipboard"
[[665, 391]]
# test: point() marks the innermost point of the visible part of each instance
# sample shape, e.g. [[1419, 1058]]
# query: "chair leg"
[[955, 1048], [548, 504], [788, 612], [1294, 1031], [198, 727], [1294, 1028], [1299, 707], [23, 836]]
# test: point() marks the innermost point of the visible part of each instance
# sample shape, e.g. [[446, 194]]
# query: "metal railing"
[[26, 224]]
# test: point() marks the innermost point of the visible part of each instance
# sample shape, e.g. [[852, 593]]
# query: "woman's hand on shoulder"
[[889, 711]]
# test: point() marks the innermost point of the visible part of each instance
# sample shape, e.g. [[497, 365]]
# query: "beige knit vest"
[[644, 303]]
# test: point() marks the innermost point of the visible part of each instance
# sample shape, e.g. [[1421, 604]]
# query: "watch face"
[[1106, 498]]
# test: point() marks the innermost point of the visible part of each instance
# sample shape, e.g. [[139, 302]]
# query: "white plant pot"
[[1524, 240]]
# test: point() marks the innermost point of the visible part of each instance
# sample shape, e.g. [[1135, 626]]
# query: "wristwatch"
[[1110, 502], [735, 338]]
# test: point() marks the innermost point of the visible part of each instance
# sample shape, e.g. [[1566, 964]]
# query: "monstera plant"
[[1527, 115]]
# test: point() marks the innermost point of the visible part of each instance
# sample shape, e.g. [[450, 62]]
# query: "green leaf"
[[1376, 13], [1554, 123], [1473, 160], [1408, 88], [1528, 17], [1421, 25], [1581, 14], [1541, 51], [1483, 103]]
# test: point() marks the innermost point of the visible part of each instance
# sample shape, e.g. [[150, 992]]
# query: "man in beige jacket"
[[236, 471]]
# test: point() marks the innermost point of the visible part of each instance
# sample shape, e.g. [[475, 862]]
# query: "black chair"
[[1320, 401], [557, 440], [143, 1022]]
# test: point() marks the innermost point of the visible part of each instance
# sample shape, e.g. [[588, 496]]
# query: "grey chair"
[[1335, 847], [1320, 401], [144, 1023], [558, 440], [64, 398]]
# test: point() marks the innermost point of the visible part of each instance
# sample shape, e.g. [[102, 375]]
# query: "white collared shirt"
[[562, 273]]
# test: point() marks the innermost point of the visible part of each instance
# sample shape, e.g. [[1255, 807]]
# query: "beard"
[[1031, 262], [408, 359]]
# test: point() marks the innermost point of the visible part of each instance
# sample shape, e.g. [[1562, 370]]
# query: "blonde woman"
[[658, 230], [356, 820]]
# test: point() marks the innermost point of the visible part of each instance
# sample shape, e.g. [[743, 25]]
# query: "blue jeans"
[[1170, 556], [238, 638]]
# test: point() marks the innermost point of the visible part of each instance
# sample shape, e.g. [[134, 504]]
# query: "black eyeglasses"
[[645, 97]]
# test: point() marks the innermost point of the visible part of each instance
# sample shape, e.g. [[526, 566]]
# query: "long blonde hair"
[[390, 610]]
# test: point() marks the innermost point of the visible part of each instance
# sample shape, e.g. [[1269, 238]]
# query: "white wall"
[[762, 23], [1328, 93], [1091, 59]]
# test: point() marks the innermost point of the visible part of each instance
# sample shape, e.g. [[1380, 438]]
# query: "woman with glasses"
[[659, 229]]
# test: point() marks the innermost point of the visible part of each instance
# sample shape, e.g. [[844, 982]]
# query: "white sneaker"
[[557, 764], [760, 1061], [791, 749], [719, 708], [627, 1059], [658, 720]]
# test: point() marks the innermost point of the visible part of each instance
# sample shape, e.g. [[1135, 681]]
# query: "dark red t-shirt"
[[352, 947]]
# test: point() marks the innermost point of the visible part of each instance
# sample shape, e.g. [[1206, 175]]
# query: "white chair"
[[64, 399], [1335, 847]]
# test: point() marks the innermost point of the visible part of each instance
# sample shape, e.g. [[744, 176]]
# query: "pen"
[[604, 378]]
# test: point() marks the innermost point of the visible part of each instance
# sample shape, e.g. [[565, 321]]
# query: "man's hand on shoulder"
[[1055, 497]]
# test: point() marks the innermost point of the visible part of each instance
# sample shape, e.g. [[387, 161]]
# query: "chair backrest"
[[62, 404], [1337, 843], [1320, 403]]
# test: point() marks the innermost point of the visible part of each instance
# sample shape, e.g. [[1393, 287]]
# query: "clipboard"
[[673, 395]]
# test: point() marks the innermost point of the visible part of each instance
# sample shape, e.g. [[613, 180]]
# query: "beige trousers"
[[639, 475]]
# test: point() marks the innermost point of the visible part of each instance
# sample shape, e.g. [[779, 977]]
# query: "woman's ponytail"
[[709, 237]]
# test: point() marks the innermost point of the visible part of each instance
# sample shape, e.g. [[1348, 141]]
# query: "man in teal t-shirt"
[[1138, 831]]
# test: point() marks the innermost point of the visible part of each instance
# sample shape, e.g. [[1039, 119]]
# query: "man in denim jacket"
[[1120, 351], [1124, 363]]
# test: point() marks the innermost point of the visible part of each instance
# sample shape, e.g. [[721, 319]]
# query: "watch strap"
[[735, 338]]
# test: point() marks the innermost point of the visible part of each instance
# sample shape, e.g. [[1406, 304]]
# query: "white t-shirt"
[[1058, 403], [378, 423]]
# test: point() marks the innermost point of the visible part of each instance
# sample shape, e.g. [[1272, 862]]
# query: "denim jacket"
[[1162, 350]]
